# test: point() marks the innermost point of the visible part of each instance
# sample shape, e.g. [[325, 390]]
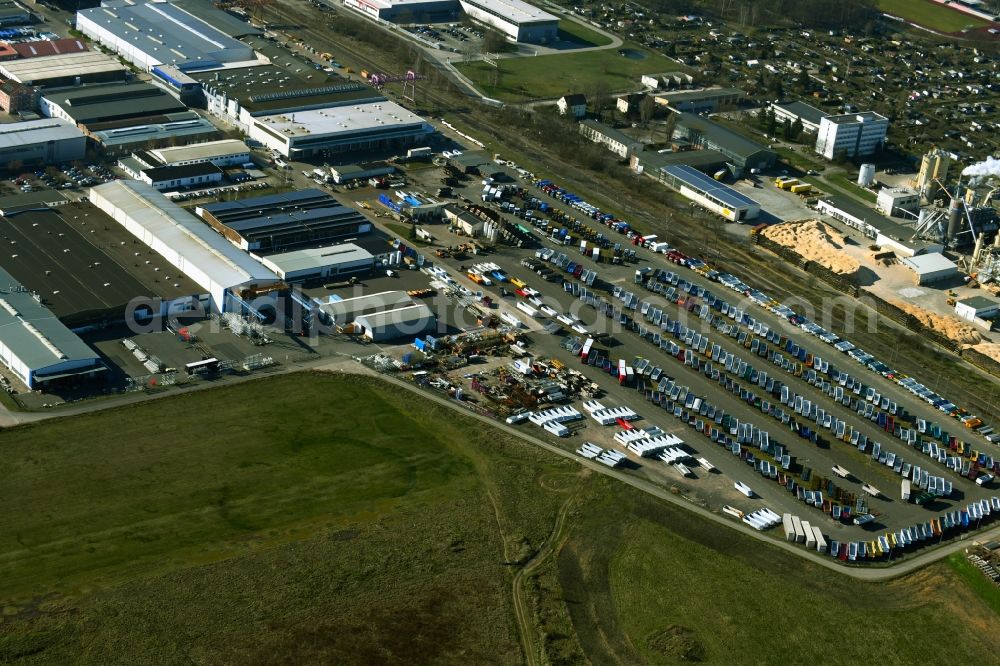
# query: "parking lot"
[[810, 445]]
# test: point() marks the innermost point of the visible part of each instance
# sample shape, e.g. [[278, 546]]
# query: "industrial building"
[[345, 173], [809, 116], [518, 20], [742, 153], [48, 47], [13, 204], [408, 321], [231, 278], [223, 153], [84, 268], [341, 311], [616, 141], [468, 223], [151, 33], [17, 97], [851, 135], [14, 13], [277, 222], [887, 233], [897, 201], [977, 307], [710, 193], [284, 84], [933, 171], [97, 107], [34, 345], [321, 263], [703, 100], [408, 11], [64, 70], [171, 177], [172, 129], [650, 163], [42, 141], [377, 126], [931, 268]]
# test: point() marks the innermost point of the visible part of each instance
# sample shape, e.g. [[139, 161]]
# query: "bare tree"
[[647, 108]]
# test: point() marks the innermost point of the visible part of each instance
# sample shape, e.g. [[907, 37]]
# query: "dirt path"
[[521, 610]]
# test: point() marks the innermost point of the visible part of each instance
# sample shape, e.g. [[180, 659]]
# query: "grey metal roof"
[[726, 139], [709, 185], [399, 316], [804, 111], [27, 200], [172, 125], [224, 21], [978, 303], [86, 104], [862, 212], [33, 333], [704, 159], [347, 309], [609, 132], [319, 257], [930, 263], [168, 33], [30, 132]]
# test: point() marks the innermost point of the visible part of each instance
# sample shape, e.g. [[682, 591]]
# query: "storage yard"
[[672, 345], [505, 398]]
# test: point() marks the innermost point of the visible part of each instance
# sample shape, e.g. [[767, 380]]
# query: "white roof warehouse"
[[369, 126], [34, 344], [183, 240]]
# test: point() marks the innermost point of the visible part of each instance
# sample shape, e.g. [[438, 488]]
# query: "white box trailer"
[[904, 491], [789, 527], [800, 535], [820, 541], [809, 534], [557, 429], [527, 309], [732, 511]]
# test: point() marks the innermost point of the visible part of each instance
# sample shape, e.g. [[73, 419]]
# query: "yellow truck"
[[801, 188]]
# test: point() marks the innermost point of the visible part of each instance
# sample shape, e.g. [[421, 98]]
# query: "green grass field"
[[551, 76], [318, 518], [931, 15], [575, 31], [298, 518], [984, 588], [651, 585]]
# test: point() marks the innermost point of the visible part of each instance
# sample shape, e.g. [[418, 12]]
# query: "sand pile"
[[949, 326], [991, 349], [816, 242]]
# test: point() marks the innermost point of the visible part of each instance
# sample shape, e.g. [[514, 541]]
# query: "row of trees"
[[786, 129]]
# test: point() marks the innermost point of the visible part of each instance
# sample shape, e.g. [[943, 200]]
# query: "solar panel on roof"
[[709, 185]]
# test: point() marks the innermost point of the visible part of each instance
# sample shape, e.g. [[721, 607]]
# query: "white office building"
[[851, 135]]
